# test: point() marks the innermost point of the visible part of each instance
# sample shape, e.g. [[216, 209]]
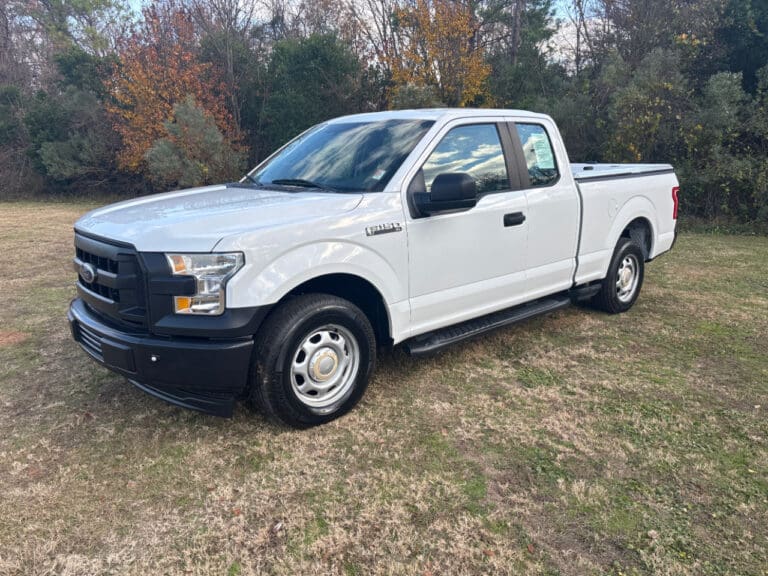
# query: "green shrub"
[[195, 151]]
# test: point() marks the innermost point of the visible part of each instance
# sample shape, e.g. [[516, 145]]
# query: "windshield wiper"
[[302, 183], [248, 181]]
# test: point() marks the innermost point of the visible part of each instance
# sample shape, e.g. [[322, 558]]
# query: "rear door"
[[553, 206], [464, 264]]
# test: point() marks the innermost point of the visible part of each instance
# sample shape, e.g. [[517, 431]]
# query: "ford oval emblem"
[[87, 272]]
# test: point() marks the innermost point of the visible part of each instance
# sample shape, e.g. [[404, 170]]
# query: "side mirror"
[[450, 191]]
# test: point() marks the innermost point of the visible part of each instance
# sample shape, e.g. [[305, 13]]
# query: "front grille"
[[90, 341], [102, 264], [117, 291]]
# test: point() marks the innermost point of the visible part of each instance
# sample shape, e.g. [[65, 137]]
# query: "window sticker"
[[539, 156], [543, 151]]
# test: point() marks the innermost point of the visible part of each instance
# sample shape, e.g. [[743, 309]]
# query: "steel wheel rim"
[[627, 278], [324, 367]]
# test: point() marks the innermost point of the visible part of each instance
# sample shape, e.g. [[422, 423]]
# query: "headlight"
[[211, 271]]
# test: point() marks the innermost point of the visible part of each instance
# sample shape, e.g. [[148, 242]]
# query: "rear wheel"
[[313, 359], [621, 287]]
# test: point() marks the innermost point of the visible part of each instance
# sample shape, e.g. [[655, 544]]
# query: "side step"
[[432, 342], [585, 292]]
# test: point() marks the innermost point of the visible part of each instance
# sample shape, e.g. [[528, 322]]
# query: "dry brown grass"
[[575, 444]]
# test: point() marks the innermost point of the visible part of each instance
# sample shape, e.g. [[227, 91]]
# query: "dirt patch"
[[12, 338]]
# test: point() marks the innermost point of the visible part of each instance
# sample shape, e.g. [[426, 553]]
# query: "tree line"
[[96, 98]]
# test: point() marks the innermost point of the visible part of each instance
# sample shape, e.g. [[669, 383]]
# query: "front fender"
[[270, 283]]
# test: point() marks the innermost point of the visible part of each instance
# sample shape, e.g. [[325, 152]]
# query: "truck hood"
[[196, 220]]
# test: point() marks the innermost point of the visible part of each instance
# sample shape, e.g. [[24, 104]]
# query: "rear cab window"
[[538, 154]]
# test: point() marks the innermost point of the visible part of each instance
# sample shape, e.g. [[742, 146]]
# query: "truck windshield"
[[344, 157]]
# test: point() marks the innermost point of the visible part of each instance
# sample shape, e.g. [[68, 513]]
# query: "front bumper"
[[198, 373]]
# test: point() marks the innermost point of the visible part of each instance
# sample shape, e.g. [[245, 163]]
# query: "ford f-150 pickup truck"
[[420, 228]]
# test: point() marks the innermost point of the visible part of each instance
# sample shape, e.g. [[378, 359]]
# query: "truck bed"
[[612, 195], [593, 171]]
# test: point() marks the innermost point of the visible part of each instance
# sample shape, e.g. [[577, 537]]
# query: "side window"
[[474, 150], [539, 156]]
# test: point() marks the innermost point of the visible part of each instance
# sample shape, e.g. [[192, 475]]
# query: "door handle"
[[514, 219]]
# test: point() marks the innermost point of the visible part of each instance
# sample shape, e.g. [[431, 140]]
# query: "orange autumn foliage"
[[438, 47], [158, 69]]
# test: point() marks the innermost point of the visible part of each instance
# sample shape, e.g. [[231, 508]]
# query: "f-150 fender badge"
[[383, 229]]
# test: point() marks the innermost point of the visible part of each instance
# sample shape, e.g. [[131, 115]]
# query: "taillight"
[[675, 201]]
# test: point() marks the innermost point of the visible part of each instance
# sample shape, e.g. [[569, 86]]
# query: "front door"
[[467, 263]]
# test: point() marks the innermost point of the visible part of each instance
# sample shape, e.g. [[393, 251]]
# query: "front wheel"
[[621, 287], [313, 359]]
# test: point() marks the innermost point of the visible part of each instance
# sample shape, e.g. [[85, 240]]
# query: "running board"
[[585, 292], [432, 342]]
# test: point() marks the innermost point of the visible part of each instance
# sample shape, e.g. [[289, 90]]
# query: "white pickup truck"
[[419, 227]]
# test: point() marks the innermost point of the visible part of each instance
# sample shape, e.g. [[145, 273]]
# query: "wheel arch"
[[635, 219], [641, 231], [356, 289]]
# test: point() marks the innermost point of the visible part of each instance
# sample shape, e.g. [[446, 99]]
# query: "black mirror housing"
[[452, 186], [451, 191]]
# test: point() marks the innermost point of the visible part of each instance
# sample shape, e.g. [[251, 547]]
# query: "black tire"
[[275, 389], [612, 297]]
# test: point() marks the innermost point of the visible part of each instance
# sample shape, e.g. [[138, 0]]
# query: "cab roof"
[[435, 114]]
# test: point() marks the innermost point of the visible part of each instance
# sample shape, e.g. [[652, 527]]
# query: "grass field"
[[578, 443]]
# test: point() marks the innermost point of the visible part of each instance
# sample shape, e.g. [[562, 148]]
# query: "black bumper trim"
[[198, 373], [214, 404]]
